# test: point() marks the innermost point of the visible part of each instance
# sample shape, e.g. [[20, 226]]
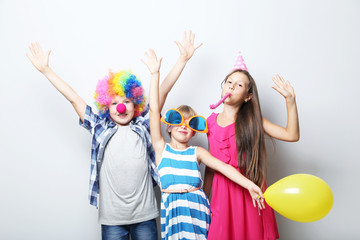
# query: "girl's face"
[[181, 133], [238, 85], [122, 119]]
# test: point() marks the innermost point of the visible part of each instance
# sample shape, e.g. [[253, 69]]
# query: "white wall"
[[45, 154]]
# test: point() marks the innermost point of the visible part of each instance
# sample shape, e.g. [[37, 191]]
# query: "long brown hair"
[[249, 133]]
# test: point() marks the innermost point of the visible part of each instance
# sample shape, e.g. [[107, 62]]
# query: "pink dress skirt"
[[233, 213]]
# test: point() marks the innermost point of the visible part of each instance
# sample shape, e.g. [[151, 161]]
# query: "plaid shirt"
[[102, 129]]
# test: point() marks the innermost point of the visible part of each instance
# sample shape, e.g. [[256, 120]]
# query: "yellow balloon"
[[300, 197]]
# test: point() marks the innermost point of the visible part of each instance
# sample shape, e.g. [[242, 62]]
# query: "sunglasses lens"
[[173, 117], [198, 123]]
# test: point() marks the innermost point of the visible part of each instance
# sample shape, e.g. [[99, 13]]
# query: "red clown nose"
[[121, 108]]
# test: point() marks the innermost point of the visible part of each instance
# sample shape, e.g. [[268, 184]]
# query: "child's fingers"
[[288, 83], [283, 86], [279, 90], [152, 53], [279, 81], [282, 79], [29, 57], [261, 196], [178, 44], [278, 78], [48, 54], [199, 45], [31, 50], [260, 201], [39, 49], [184, 36], [33, 47], [276, 81], [143, 62], [192, 37], [147, 55], [282, 83]]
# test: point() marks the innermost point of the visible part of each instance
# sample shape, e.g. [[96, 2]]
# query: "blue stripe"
[[170, 179], [162, 212], [186, 227], [186, 211], [190, 197], [179, 164], [189, 151]]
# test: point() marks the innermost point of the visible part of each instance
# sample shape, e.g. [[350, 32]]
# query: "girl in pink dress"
[[236, 136]]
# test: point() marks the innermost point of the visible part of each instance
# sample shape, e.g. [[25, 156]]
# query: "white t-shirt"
[[126, 190]]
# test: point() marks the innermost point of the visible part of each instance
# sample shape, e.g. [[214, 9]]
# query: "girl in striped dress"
[[185, 212]]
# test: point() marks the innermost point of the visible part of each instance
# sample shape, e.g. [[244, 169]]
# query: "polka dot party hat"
[[239, 63]]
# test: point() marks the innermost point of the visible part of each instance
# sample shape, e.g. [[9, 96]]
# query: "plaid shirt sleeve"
[[93, 123], [90, 119]]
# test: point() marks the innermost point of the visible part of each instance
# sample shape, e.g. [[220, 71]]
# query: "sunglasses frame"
[[186, 122]]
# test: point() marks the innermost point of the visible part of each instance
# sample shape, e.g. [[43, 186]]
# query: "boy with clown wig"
[[122, 157], [123, 84]]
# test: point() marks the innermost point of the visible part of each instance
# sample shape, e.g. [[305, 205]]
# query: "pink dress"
[[233, 214]]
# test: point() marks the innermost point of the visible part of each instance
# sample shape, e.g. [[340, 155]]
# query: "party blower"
[[213, 106], [300, 197]]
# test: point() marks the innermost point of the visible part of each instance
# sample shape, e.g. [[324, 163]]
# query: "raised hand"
[[152, 62], [283, 87], [41, 62], [291, 132], [187, 47], [38, 58]]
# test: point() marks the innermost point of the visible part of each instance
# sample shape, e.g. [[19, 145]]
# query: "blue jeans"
[[139, 231]]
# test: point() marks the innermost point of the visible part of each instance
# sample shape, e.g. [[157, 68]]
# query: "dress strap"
[[180, 190]]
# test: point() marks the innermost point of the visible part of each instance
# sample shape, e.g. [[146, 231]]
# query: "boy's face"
[[122, 119]]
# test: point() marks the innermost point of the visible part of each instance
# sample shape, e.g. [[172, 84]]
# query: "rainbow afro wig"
[[123, 84]]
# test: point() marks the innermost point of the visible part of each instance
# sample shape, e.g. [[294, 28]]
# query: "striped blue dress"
[[183, 215]]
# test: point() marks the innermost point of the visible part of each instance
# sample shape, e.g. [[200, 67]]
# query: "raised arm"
[[187, 50], [157, 140], [291, 132], [41, 63], [231, 173]]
